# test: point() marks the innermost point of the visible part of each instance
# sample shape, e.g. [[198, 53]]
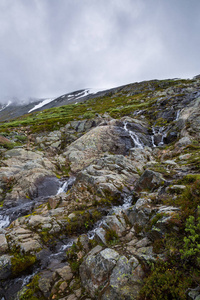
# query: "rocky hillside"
[[101, 199]]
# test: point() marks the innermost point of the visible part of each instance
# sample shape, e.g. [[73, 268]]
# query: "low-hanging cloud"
[[50, 47]]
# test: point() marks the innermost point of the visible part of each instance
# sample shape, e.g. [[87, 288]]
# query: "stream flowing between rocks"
[[52, 186], [55, 187], [134, 137], [49, 186]]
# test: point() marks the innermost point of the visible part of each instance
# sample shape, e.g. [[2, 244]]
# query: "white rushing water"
[[91, 233], [163, 134], [114, 210], [4, 221], [14, 213], [65, 186], [62, 249], [177, 115], [66, 246], [27, 279], [127, 203], [152, 137], [134, 137]]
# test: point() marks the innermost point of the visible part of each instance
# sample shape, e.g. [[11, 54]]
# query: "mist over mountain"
[[14, 107]]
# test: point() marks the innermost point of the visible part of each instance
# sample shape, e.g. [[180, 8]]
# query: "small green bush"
[[21, 138], [165, 283], [189, 200], [7, 145], [191, 249], [190, 178], [111, 236], [88, 115]]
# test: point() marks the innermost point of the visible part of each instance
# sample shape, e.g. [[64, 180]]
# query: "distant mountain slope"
[[12, 110]]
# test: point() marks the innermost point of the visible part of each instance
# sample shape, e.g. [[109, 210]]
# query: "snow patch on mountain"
[[5, 105], [44, 102], [88, 92], [81, 94]]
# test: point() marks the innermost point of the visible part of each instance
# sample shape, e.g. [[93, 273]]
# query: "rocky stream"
[[85, 209]]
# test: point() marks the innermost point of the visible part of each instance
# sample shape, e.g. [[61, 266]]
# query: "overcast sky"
[[51, 47]]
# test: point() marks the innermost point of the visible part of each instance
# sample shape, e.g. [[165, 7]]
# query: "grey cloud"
[[50, 47]]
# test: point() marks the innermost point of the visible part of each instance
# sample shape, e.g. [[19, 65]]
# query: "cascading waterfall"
[[6, 217], [177, 114], [4, 221], [91, 234], [66, 185], [162, 132], [61, 250], [152, 137], [10, 214], [134, 137], [126, 204], [28, 278], [14, 212], [114, 210]]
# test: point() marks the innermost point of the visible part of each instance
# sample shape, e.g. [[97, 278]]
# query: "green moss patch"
[[82, 221], [31, 291], [21, 262]]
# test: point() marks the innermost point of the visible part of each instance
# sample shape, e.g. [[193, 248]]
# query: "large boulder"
[[114, 137], [110, 173], [125, 280], [25, 240], [22, 170], [149, 180], [139, 214], [110, 275], [96, 268]]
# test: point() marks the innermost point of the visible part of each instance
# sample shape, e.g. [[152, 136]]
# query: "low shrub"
[[189, 200], [165, 283], [111, 236], [191, 248]]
